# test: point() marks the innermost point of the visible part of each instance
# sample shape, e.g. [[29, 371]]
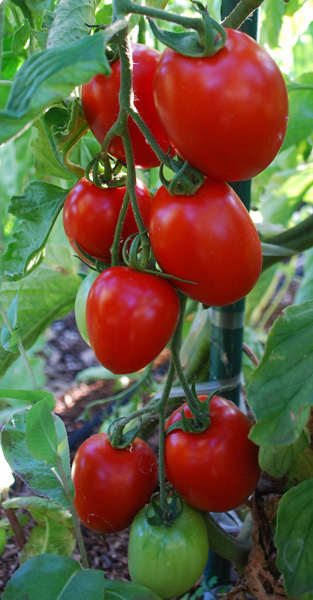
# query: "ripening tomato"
[[168, 559], [226, 114], [131, 316], [215, 470], [207, 238], [111, 485], [91, 213], [101, 106]]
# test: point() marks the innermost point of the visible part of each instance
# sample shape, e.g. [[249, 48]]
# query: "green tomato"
[[168, 559], [80, 304]]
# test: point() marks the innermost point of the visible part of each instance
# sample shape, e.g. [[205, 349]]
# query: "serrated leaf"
[[70, 20], [52, 577], [9, 340], [12, 400], [127, 590], [293, 539], [35, 473], [36, 210], [48, 294], [280, 391], [277, 460], [41, 435], [51, 75]]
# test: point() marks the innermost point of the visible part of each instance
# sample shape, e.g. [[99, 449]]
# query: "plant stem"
[[16, 526], [175, 349], [20, 346], [161, 413], [241, 12], [225, 544], [70, 498]]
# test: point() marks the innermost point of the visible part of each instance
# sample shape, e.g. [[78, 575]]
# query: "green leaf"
[[51, 75], [52, 577], [70, 20], [35, 473], [293, 539], [9, 340], [54, 533], [277, 460], [284, 193], [48, 293], [300, 125], [280, 391], [37, 210], [47, 162], [21, 37], [302, 466], [127, 590], [305, 289], [49, 538], [41, 435]]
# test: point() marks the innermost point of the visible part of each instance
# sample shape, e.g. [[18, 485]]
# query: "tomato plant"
[[101, 115], [215, 470], [168, 559], [131, 316], [80, 304], [231, 122], [111, 485], [91, 213], [223, 256]]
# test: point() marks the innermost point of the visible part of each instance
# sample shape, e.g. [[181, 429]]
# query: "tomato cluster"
[[229, 124]]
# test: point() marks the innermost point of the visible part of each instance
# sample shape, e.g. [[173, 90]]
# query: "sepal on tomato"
[[164, 516]]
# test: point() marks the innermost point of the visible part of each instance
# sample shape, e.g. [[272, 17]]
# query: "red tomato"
[[226, 114], [112, 485], [131, 316], [91, 213], [101, 106], [208, 238], [218, 469]]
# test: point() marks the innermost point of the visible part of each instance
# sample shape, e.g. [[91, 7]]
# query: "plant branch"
[[241, 12], [16, 526]]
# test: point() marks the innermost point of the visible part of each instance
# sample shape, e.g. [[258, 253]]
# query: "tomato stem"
[[161, 414], [241, 12]]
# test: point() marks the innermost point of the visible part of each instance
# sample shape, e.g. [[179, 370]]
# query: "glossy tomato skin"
[[131, 317], [168, 560], [231, 121], [101, 106], [218, 469], [111, 485], [80, 304], [207, 238], [91, 213]]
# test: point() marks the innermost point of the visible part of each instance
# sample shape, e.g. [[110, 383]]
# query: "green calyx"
[[206, 39], [160, 516]]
